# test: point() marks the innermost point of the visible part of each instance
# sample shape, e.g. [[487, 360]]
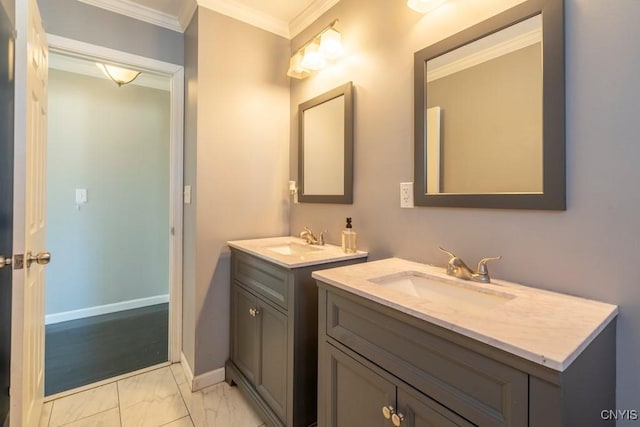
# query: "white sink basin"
[[294, 249], [442, 291]]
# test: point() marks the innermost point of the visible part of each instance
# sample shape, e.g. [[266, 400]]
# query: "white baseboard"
[[208, 379], [105, 309], [186, 368], [203, 380]]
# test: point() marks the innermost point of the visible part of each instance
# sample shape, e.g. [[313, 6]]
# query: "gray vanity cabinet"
[[371, 356], [274, 337], [357, 392], [260, 346]]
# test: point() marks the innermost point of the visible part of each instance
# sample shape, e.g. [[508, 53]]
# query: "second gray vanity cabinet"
[[260, 346], [274, 337]]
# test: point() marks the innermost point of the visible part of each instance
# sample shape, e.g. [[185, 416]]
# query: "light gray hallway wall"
[[114, 142], [80, 21], [591, 250]]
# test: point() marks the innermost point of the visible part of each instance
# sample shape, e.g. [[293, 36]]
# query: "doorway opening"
[[114, 214]]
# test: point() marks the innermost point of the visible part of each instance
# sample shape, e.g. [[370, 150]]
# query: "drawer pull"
[[388, 411], [253, 312], [397, 419]]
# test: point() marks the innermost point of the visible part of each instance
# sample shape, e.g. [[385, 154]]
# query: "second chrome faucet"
[[457, 268], [311, 239]]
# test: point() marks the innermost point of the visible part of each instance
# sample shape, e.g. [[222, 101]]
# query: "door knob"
[[41, 258], [5, 262]]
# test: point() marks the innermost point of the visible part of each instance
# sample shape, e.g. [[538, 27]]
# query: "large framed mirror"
[[325, 147], [489, 113]]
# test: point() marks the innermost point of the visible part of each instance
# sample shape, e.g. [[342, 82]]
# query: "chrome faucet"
[[457, 268], [311, 239]]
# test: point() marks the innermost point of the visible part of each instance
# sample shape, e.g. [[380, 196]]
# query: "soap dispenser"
[[349, 238]]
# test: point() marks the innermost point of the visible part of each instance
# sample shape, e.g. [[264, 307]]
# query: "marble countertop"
[[547, 328], [302, 254]]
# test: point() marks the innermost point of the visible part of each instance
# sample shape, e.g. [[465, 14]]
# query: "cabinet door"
[[271, 381], [356, 394], [419, 410], [244, 330]]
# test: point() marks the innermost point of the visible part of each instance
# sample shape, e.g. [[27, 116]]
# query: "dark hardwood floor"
[[83, 351]]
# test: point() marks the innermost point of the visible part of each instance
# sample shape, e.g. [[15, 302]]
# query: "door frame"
[[176, 75]]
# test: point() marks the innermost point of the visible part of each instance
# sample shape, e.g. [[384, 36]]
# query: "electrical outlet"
[[406, 194]]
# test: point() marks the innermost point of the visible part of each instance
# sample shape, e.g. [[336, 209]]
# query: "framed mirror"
[[489, 113], [325, 147]]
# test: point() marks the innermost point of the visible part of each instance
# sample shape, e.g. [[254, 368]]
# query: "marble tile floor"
[[156, 398]]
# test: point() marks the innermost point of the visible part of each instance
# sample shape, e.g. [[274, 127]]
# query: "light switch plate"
[[81, 196], [406, 194], [187, 194]]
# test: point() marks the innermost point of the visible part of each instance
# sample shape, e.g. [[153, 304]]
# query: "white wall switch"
[[187, 194], [81, 196], [406, 194]]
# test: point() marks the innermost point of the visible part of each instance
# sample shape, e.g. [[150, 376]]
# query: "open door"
[[6, 203], [29, 256]]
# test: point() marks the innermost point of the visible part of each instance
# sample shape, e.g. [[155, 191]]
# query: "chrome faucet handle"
[[456, 266], [482, 265], [451, 254]]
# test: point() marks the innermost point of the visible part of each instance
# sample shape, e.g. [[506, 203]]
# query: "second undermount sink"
[[294, 249], [442, 291]]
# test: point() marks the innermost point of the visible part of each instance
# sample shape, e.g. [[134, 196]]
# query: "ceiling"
[[286, 18]]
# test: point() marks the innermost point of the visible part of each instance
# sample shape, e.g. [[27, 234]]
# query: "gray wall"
[[190, 164], [115, 143], [591, 250], [80, 21], [241, 167], [502, 94]]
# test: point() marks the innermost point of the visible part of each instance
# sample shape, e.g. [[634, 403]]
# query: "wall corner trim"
[[186, 368], [203, 380], [139, 12]]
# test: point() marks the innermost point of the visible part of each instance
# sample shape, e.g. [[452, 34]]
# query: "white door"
[[27, 340]]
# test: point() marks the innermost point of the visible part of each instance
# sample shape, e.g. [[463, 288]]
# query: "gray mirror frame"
[[347, 198], [553, 196]]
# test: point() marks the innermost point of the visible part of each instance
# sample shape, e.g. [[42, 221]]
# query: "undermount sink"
[[442, 291], [294, 249]]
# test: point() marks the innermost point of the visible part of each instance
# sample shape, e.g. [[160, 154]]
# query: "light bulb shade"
[[424, 6], [313, 58], [296, 70], [331, 44], [121, 76]]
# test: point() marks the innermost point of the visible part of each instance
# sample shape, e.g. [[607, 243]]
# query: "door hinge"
[[18, 262], [173, 231]]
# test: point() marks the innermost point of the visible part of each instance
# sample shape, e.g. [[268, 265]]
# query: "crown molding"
[[186, 13], [139, 12], [309, 16], [229, 8], [248, 15]]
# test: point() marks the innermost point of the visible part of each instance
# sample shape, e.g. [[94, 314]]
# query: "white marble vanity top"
[[545, 327], [293, 252]]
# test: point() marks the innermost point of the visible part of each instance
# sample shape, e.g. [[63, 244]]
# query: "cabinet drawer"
[[264, 278], [474, 386]]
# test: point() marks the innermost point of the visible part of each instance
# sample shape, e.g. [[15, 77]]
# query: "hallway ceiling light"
[[121, 76], [424, 6], [316, 52]]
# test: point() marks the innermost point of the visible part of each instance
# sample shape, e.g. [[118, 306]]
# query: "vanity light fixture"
[[120, 76], [424, 6], [316, 52]]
